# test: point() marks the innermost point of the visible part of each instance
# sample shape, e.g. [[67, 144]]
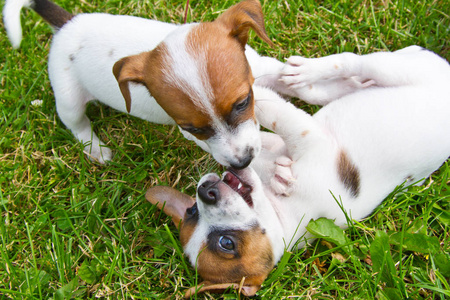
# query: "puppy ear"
[[171, 201], [243, 16], [128, 69], [206, 286]]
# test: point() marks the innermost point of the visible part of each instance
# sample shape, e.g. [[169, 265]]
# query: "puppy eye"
[[226, 243], [244, 103], [193, 130], [200, 132]]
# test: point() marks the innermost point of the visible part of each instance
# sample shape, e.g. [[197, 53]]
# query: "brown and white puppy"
[[194, 75], [385, 124]]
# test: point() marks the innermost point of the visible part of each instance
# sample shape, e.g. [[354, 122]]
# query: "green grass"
[[73, 228]]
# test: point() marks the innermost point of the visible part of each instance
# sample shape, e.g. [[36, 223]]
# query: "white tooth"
[[224, 174], [240, 185]]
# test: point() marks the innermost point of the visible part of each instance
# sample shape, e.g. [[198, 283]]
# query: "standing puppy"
[[193, 75], [386, 124]]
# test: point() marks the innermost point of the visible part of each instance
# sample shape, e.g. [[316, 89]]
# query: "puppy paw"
[[307, 78], [102, 154], [300, 72], [283, 180], [321, 80]]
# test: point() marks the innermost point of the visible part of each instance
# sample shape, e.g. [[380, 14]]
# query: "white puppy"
[[194, 75], [386, 124]]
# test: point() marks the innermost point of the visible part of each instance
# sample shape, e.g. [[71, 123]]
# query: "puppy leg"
[[299, 130], [273, 165], [71, 107], [283, 179], [321, 80], [267, 72]]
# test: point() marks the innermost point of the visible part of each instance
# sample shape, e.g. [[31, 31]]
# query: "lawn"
[[71, 228]]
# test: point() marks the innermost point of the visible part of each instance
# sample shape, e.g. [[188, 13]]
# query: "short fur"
[[385, 124], [194, 75]]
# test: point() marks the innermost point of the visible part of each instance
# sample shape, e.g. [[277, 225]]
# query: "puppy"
[[385, 124], [195, 75]]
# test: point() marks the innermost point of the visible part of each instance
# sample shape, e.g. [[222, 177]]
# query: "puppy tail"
[[50, 12]]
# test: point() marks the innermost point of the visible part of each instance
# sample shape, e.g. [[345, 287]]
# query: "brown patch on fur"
[[348, 173], [252, 258], [220, 45], [305, 133], [148, 68], [274, 125], [242, 17], [186, 231], [173, 202], [228, 71], [130, 69]]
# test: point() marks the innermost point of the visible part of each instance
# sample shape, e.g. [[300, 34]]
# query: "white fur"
[[81, 59], [80, 70], [232, 213], [387, 111], [187, 72], [11, 11]]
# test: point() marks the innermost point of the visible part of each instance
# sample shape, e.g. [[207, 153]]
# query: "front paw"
[[283, 180], [300, 72], [99, 153], [308, 78]]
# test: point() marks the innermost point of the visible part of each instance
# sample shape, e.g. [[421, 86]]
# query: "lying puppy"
[[387, 123], [194, 75]]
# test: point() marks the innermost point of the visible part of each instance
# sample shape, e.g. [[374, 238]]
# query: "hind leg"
[[322, 80], [71, 107], [325, 79]]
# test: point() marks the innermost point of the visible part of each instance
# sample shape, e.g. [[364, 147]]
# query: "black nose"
[[245, 161], [208, 192]]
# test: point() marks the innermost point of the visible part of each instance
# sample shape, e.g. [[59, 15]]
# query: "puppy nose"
[[245, 160], [208, 192]]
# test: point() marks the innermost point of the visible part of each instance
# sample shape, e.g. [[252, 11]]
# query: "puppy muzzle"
[[245, 160]]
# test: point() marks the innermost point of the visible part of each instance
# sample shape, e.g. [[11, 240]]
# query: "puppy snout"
[[245, 160], [208, 192]]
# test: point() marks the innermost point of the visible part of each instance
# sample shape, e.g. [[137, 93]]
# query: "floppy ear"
[[205, 286], [130, 68], [171, 201], [243, 16]]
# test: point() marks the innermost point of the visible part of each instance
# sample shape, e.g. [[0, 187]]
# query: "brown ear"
[[171, 201], [128, 69], [217, 288], [243, 16]]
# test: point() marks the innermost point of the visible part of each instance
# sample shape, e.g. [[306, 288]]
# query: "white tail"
[[11, 19]]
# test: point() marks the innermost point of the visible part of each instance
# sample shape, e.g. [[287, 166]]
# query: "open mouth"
[[240, 187]]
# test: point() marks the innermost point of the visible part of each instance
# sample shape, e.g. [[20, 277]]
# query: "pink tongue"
[[232, 181], [244, 191]]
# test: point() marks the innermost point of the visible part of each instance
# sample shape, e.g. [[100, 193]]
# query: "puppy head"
[[227, 234], [200, 76]]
